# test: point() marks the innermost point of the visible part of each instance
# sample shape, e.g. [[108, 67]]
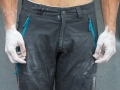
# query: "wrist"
[[110, 30], [12, 27], [9, 19]]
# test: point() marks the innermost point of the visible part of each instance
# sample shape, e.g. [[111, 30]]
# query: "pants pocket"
[[91, 29]]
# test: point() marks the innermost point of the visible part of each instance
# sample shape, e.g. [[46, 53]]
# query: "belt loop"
[[79, 11], [40, 9]]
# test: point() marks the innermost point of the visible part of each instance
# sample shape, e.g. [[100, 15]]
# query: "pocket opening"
[[91, 29], [25, 25]]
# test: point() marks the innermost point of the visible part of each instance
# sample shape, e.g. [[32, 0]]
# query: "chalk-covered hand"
[[14, 39], [106, 47]]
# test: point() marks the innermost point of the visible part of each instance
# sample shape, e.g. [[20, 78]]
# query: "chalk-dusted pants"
[[60, 43]]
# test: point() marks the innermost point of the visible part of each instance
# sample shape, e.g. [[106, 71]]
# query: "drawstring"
[[92, 31], [23, 33]]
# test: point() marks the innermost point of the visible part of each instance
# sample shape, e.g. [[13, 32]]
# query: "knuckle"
[[21, 42], [114, 51], [6, 51], [10, 49], [21, 38], [110, 50]]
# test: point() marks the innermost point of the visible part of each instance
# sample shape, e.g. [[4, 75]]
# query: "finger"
[[100, 56], [23, 58], [97, 51], [10, 57], [16, 58], [106, 57], [20, 55], [22, 48]]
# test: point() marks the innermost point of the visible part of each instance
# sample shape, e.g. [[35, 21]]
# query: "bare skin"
[[9, 9], [109, 11], [64, 3], [106, 39]]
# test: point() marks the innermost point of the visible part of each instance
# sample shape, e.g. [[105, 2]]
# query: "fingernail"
[[95, 61], [99, 62]]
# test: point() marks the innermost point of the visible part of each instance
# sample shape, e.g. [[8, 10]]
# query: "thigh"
[[38, 72], [76, 68]]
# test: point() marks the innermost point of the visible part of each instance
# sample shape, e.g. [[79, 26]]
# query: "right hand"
[[14, 39]]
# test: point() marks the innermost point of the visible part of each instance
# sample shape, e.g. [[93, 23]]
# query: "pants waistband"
[[37, 8]]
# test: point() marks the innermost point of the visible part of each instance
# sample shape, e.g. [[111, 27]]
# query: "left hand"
[[106, 41]]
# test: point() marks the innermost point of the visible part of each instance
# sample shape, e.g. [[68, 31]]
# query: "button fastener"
[[63, 12]]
